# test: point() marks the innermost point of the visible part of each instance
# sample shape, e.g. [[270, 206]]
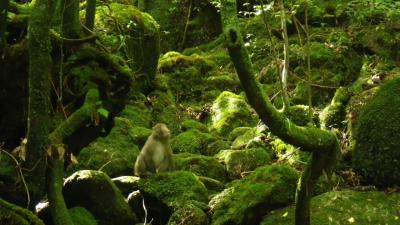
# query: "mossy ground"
[[345, 207]]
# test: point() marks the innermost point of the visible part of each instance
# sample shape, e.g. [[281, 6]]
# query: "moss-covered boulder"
[[81, 216], [288, 153], [377, 137], [11, 214], [192, 141], [345, 207], [114, 154], [194, 124], [251, 138], [135, 35], [200, 165], [126, 184], [138, 115], [95, 191], [188, 214], [216, 146], [266, 189], [165, 193], [238, 161], [165, 110], [229, 111]]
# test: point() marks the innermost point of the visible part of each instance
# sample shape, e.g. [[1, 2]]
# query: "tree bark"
[[90, 14], [3, 21], [71, 27], [40, 63]]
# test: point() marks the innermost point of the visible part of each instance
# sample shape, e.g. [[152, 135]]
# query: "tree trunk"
[[285, 69], [40, 63], [71, 27], [90, 14], [3, 21]]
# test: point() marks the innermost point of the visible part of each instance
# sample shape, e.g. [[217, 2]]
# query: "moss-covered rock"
[[135, 35], [377, 138], [188, 214], [114, 154], [194, 124], [298, 114], [192, 141], [95, 191], [345, 207], [138, 115], [251, 138], [164, 110], [81, 216], [266, 189], [126, 184], [216, 146], [229, 111], [238, 161], [165, 193], [288, 153], [200, 165]]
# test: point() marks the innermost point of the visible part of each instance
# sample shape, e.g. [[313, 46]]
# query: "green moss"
[[95, 191], [81, 216], [135, 35], [239, 161], [139, 116], [229, 111], [173, 61], [238, 131], [194, 124], [216, 146], [288, 153], [175, 189], [191, 141], [188, 214], [377, 138], [345, 207], [267, 188], [165, 110], [11, 214], [200, 165], [298, 114], [252, 137], [333, 116], [114, 154]]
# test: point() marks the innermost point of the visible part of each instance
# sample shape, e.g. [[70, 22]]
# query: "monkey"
[[156, 154]]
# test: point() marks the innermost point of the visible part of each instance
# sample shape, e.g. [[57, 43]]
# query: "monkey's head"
[[161, 131]]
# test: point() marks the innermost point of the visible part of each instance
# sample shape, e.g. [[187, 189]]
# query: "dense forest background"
[[280, 112]]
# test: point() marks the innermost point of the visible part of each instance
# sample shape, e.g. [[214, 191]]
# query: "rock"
[[238, 161], [200, 165], [247, 200], [164, 193], [95, 191], [188, 215], [126, 184], [192, 141], [230, 111], [377, 138]]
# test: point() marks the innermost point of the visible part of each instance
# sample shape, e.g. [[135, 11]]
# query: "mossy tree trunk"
[[3, 21], [70, 27], [40, 64], [90, 14], [322, 144]]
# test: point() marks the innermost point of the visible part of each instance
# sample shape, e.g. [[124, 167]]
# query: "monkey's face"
[[161, 131]]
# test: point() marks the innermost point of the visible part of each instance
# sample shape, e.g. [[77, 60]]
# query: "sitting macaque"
[[156, 154]]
